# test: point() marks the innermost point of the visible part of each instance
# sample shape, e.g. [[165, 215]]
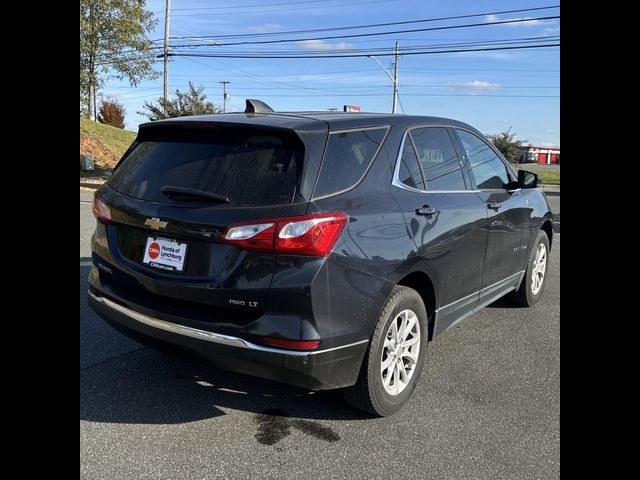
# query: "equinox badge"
[[155, 223]]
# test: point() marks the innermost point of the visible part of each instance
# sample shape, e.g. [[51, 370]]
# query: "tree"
[[508, 145], [111, 113], [184, 104], [113, 44]]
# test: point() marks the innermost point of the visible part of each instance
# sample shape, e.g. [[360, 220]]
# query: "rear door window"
[[438, 158], [248, 166], [347, 158]]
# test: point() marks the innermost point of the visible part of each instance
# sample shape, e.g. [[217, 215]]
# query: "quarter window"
[[438, 158], [489, 172], [409, 169], [347, 158]]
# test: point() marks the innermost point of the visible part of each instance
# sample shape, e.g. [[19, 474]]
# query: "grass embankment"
[[547, 177], [104, 143]]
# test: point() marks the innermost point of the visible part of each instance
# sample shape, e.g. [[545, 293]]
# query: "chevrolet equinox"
[[319, 249]]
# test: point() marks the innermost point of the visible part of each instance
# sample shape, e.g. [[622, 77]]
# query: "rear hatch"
[[181, 184]]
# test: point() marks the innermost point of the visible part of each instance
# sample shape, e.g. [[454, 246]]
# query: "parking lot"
[[486, 406]]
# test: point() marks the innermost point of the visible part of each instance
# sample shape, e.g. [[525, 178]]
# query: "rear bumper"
[[319, 370]]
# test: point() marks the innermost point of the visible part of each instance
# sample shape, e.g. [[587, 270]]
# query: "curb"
[[549, 188], [91, 183]]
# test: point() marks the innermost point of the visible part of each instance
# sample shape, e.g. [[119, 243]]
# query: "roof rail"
[[257, 106]]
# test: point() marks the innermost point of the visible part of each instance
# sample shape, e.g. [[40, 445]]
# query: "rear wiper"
[[187, 193]]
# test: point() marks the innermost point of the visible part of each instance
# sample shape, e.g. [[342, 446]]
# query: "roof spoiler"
[[257, 106]]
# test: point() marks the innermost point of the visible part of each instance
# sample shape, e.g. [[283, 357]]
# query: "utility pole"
[[395, 78], [166, 54], [224, 95], [92, 92]]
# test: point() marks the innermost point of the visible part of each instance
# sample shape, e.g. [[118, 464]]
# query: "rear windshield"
[[249, 167]]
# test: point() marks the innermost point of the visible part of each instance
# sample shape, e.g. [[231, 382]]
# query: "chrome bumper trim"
[[205, 335]]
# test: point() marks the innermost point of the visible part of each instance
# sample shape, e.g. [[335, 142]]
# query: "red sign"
[[154, 250], [351, 108]]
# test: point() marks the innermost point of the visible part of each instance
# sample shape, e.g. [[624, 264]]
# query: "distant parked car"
[[318, 249]]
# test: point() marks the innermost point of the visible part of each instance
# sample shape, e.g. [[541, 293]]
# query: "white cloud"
[[320, 46], [528, 23], [111, 94], [476, 84], [491, 55], [550, 145], [266, 28]]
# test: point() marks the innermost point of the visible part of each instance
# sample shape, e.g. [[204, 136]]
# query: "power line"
[[411, 95], [285, 8], [254, 77], [374, 34], [371, 25], [362, 87], [348, 55], [352, 55], [448, 27], [248, 6], [341, 72], [374, 51]]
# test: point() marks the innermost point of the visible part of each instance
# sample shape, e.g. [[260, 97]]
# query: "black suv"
[[318, 249]]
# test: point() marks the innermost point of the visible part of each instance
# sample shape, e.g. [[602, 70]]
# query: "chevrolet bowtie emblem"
[[155, 223]]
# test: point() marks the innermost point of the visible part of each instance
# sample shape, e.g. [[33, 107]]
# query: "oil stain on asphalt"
[[274, 424]]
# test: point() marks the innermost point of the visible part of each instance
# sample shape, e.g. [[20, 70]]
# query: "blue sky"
[[489, 90]]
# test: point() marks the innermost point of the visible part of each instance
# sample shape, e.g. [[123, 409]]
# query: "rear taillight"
[[254, 236], [101, 210], [299, 344], [312, 235]]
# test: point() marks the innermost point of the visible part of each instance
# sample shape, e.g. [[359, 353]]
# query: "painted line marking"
[[86, 203], [86, 263]]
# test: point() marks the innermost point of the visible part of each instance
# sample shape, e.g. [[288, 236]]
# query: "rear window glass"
[[347, 158], [249, 167]]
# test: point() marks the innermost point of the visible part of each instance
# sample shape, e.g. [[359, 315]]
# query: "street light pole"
[[224, 95], [394, 77]]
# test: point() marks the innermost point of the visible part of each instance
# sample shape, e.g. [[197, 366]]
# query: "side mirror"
[[528, 179]]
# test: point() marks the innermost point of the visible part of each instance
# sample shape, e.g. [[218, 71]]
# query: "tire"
[[529, 293], [370, 394]]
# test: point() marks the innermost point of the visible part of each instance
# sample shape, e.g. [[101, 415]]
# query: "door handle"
[[493, 205], [426, 210]]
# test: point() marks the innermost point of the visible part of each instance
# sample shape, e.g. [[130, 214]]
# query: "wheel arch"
[[422, 283], [547, 227]]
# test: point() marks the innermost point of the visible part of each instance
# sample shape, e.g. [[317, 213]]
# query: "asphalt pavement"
[[486, 407], [553, 197]]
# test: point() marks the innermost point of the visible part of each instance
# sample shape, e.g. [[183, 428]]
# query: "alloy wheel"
[[400, 352], [539, 269]]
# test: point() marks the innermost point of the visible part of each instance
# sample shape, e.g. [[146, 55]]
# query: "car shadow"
[[134, 384], [502, 303]]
